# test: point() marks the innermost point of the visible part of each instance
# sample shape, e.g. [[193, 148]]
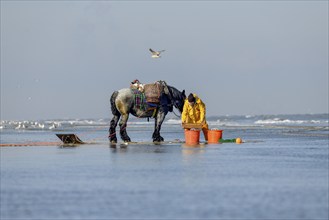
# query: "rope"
[[26, 144], [113, 134], [178, 116]]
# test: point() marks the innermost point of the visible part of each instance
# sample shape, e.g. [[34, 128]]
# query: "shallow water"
[[278, 173]]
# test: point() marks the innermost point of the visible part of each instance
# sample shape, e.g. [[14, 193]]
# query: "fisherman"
[[194, 111]]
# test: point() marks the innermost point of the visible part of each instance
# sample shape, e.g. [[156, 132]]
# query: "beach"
[[279, 172]]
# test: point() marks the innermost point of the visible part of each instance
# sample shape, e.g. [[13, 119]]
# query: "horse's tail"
[[113, 106]]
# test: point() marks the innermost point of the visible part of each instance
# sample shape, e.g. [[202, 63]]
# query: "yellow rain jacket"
[[195, 114]]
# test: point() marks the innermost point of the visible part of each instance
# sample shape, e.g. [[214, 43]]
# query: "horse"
[[123, 103]]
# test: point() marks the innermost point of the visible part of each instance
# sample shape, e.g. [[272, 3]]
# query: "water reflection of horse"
[[123, 103]]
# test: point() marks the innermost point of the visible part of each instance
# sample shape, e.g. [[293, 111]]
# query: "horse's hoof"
[[159, 139]]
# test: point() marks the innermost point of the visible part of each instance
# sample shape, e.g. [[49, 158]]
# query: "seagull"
[[156, 54]]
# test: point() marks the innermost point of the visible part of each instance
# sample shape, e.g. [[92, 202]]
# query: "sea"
[[280, 171]]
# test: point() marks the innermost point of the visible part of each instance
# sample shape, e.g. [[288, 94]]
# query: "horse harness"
[[150, 98]]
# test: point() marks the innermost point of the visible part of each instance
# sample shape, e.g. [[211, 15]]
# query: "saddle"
[[153, 92]]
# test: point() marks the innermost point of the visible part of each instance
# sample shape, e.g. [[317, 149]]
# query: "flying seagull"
[[156, 54]]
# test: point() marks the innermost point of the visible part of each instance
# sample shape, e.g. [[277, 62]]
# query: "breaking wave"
[[278, 121], [316, 120]]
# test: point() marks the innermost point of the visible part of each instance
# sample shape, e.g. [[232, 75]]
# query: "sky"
[[64, 59]]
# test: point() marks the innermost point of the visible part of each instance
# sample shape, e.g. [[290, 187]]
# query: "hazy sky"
[[63, 59]]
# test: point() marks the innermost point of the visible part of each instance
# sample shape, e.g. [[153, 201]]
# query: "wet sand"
[[269, 179]]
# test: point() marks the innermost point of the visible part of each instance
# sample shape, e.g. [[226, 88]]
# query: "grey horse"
[[123, 103]]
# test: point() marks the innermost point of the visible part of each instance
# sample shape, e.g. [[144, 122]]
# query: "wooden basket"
[[192, 125]]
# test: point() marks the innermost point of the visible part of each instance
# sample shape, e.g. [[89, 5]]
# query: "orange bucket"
[[214, 136], [192, 137]]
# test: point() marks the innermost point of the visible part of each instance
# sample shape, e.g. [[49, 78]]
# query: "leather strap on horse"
[[154, 112], [167, 91]]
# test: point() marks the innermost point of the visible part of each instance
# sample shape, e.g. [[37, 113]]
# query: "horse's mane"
[[177, 95]]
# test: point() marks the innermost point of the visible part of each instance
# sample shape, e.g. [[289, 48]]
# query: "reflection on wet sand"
[[124, 148], [192, 149]]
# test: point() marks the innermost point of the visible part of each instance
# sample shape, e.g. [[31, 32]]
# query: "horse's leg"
[[123, 130], [112, 131], [157, 126], [116, 116]]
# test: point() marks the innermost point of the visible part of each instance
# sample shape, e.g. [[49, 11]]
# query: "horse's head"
[[178, 98]]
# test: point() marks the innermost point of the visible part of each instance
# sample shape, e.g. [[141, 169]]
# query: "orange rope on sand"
[[31, 144]]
